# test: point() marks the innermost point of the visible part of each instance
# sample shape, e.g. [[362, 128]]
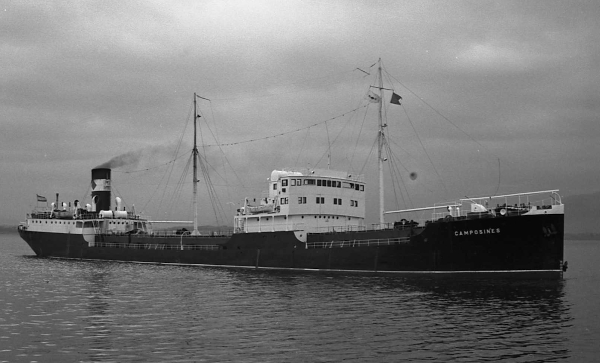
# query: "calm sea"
[[80, 311]]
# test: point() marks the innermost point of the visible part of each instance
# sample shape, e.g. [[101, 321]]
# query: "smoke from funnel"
[[133, 158], [129, 158]]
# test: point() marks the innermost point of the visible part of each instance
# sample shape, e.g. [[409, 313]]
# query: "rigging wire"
[[352, 112], [336, 139], [226, 160], [396, 175], [287, 132], [442, 116], [180, 184], [425, 150], [217, 206], [302, 146], [373, 146], [358, 137], [167, 174], [170, 172], [390, 78], [220, 145]]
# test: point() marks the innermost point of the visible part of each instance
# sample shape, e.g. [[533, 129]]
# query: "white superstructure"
[[305, 201]]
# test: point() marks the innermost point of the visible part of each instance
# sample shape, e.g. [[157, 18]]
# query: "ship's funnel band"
[[101, 185]]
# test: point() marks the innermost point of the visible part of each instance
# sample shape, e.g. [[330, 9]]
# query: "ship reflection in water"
[[95, 311]]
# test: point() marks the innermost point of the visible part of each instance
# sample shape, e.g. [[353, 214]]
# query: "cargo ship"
[[314, 220]]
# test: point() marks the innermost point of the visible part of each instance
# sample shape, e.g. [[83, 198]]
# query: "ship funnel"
[[101, 188]]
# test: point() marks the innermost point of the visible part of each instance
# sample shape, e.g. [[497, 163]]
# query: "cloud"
[[83, 82], [490, 56]]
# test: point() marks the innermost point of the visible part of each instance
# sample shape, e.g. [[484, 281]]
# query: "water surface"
[[85, 311]]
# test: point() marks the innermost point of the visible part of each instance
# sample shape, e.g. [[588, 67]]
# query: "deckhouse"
[[306, 200]]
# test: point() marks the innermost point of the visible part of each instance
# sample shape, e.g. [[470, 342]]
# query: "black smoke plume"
[[133, 158]]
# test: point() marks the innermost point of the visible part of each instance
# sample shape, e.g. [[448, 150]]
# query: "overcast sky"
[[84, 81]]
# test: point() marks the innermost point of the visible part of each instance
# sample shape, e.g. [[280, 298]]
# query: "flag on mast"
[[395, 98], [41, 199]]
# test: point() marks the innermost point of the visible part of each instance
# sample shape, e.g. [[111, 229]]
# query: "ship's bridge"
[[305, 200]]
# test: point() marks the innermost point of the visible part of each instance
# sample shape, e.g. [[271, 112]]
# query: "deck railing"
[[154, 246], [484, 207], [358, 243], [328, 244], [187, 234]]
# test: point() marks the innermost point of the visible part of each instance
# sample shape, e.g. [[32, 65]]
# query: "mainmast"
[[380, 148], [195, 176]]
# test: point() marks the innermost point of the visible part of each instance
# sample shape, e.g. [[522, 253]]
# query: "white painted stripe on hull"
[[488, 272]]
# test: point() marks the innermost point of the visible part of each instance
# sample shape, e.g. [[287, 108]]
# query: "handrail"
[[553, 191], [156, 246], [181, 239], [358, 243], [186, 234]]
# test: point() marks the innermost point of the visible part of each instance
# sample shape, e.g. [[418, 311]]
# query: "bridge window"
[[301, 200], [309, 182], [284, 182], [320, 200]]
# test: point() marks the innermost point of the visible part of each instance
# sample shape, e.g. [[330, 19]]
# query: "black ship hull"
[[513, 245]]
